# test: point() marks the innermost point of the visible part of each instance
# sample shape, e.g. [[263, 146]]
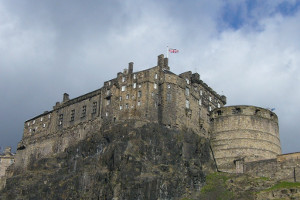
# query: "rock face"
[[120, 162]]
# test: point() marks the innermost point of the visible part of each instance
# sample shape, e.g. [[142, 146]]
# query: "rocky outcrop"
[[118, 162]]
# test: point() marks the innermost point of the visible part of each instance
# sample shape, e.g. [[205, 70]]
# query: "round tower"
[[242, 134]]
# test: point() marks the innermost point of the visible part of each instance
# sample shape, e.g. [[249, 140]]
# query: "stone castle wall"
[[152, 95], [244, 133], [283, 167]]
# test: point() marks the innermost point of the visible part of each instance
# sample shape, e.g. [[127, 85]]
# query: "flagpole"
[[167, 52]]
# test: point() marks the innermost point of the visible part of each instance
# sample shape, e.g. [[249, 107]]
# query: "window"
[[168, 97], [209, 108], [108, 92], [121, 107], [209, 98], [134, 85], [132, 106], [134, 76], [28, 124], [187, 81], [33, 122], [72, 115], [60, 119], [123, 79], [109, 83], [219, 106], [41, 119], [44, 125], [140, 85], [94, 107], [120, 98], [106, 114], [123, 88], [169, 86], [155, 85], [201, 92], [139, 103], [83, 111], [200, 102], [108, 102], [187, 104], [126, 106], [187, 91], [127, 96], [156, 76], [49, 116], [29, 130], [139, 94]]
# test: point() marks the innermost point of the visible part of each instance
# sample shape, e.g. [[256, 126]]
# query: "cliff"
[[119, 162]]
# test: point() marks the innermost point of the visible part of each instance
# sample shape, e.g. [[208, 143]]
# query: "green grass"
[[215, 187], [284, 184]]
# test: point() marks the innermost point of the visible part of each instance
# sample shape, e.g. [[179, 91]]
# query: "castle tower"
[[243, 134]]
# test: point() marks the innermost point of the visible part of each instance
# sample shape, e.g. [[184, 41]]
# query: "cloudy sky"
[[246, 50]]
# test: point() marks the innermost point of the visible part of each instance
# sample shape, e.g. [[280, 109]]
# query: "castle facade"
[[238, 133]]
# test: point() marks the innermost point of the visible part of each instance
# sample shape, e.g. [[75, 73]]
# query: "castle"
[[238, 134]]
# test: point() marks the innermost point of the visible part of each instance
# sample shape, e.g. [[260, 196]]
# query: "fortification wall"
[[284, 167], [245, 133]]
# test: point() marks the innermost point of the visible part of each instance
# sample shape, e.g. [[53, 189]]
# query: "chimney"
[[160, 61], [166, 64], [130, 68], [66, 97]]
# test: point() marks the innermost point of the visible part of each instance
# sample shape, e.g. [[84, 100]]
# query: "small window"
[[123, 79], [41, 119], [94, 107], [187, 91], [140, 85], [108, 92], [134, 76], [44, 125], [134, 85], [156, 76], [139, 94], [139, 103], [108, 102], [28, 124], [29, 130], [209, 108], [127, 96], [200, 102], [187, 103], [169, 86], [121, 107], [155, 86], [168, 97], [83, 111], [126, 106], [109, 83], [60, 119], [33, 122], [123, 88], [209, 98], [120, 98], [72, 115], [49, 116], [187, 81], [132, 106], [219, 105], [106, 114]]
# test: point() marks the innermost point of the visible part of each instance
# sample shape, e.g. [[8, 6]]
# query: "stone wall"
[[245, 133], [284, 167]]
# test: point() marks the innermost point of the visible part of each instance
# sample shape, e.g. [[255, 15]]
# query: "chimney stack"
[[66, 97], [130, 68]]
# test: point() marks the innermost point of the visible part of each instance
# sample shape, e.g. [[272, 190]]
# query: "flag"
[[173, 50]]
